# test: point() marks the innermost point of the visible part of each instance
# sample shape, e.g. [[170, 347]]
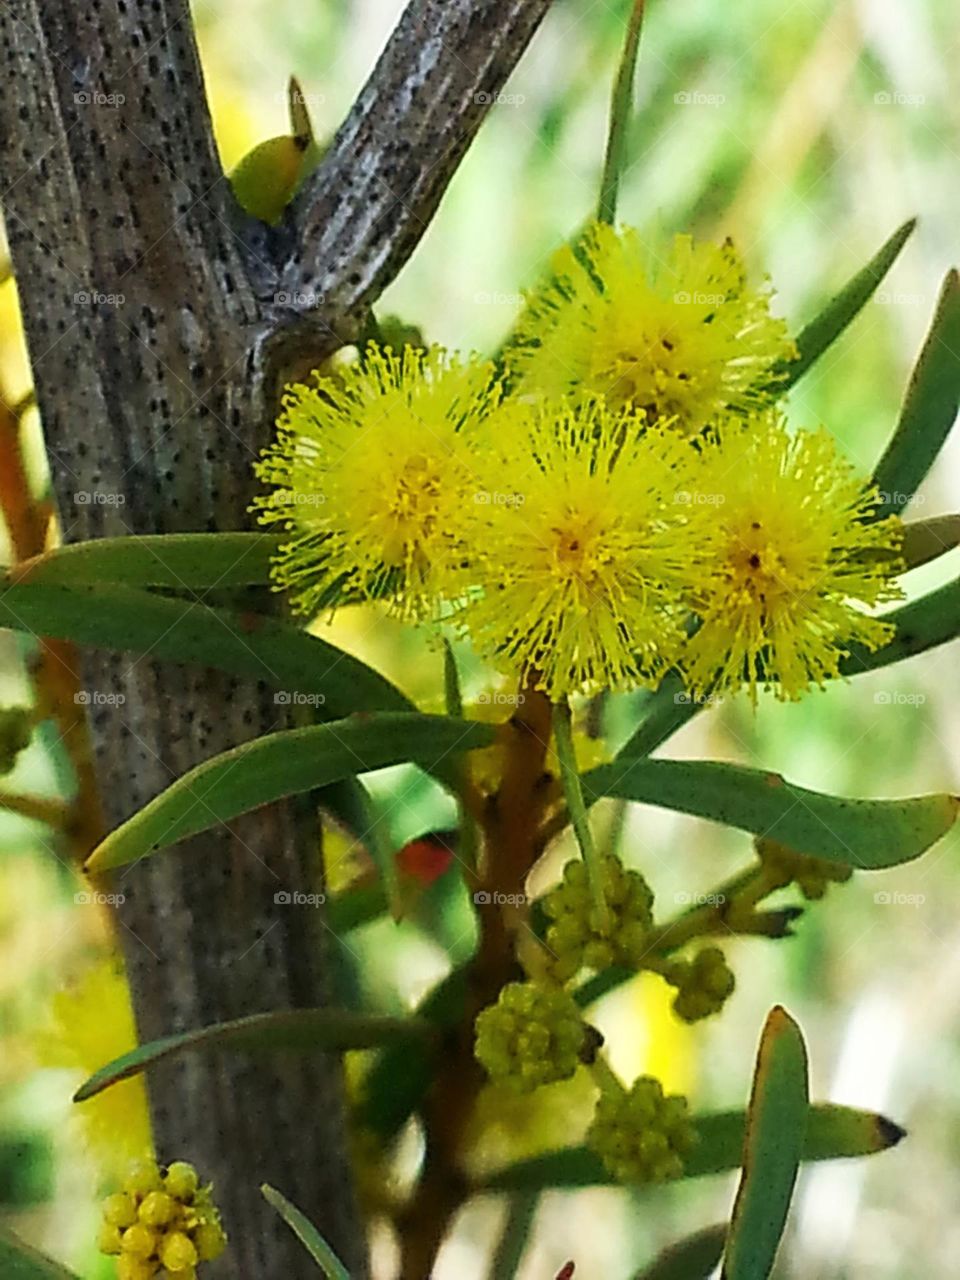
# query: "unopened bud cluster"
[[533, 1035], [162, 1223], [581, 935], [640, 1135], [811, 875], [703, 984]]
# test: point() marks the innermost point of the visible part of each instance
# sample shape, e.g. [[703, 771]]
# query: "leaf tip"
[[889, 1132]]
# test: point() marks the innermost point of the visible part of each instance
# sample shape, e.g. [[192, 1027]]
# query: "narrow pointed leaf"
[[929, 408], [694, 1258], [772, 1150], [832, 1132], [192, 561], [823, 331], [926, 540], [19, 1261], [307, 1234], [621, 109], [283, 764], [123, 619], [330, 1030], [867, 834]]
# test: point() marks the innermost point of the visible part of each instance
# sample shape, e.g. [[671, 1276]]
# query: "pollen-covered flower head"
[[799, 553], [672, 330], [582, 549], [372, 472]]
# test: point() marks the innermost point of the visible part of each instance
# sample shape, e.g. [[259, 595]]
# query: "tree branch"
[[363, 212]]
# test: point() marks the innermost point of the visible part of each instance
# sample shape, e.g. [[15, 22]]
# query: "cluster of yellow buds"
[[640, 1135], [533, 1035], [703, 984], [162, 1223], [582, 936], [811, 875]]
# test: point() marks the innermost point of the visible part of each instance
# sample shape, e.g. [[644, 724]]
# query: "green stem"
[[572, 790], [621, 106]]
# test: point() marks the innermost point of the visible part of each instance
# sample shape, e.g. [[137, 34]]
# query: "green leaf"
[[867, 834], [192, 561], [926, 540], [354, 806], [823, 331], [19, 1261], [330, 1030], [621, 108], [283, 764], [929, 408], [307, 1234], [772, 1150], [694, 1258], [832, 1133], [123, 619]]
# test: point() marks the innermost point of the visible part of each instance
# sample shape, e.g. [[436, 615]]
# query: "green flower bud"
[[811, 875], [533, 1035], [703, 984], [640, 1135], [581, 936]]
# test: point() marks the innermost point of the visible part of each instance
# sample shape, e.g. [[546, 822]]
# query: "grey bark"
[[159, 320]]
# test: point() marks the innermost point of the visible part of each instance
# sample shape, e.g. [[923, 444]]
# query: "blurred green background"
[[808, 132]]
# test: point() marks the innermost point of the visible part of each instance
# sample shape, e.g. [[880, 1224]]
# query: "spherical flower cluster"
[[640, 1135], [674, 332], [533, 1035], [580, 935], [162, 1223], [811, 875], [703, 984], [797, 549], [372, 472], [582, 527]]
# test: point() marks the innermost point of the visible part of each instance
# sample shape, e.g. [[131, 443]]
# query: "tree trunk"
[[159, 320]]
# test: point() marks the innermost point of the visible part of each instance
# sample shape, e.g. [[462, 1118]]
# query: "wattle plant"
[[614, 502]]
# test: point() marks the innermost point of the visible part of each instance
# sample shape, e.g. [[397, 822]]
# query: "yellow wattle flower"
[[374, 475], [672, 330], [91, 1024], [798, 553], [582, 548]]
